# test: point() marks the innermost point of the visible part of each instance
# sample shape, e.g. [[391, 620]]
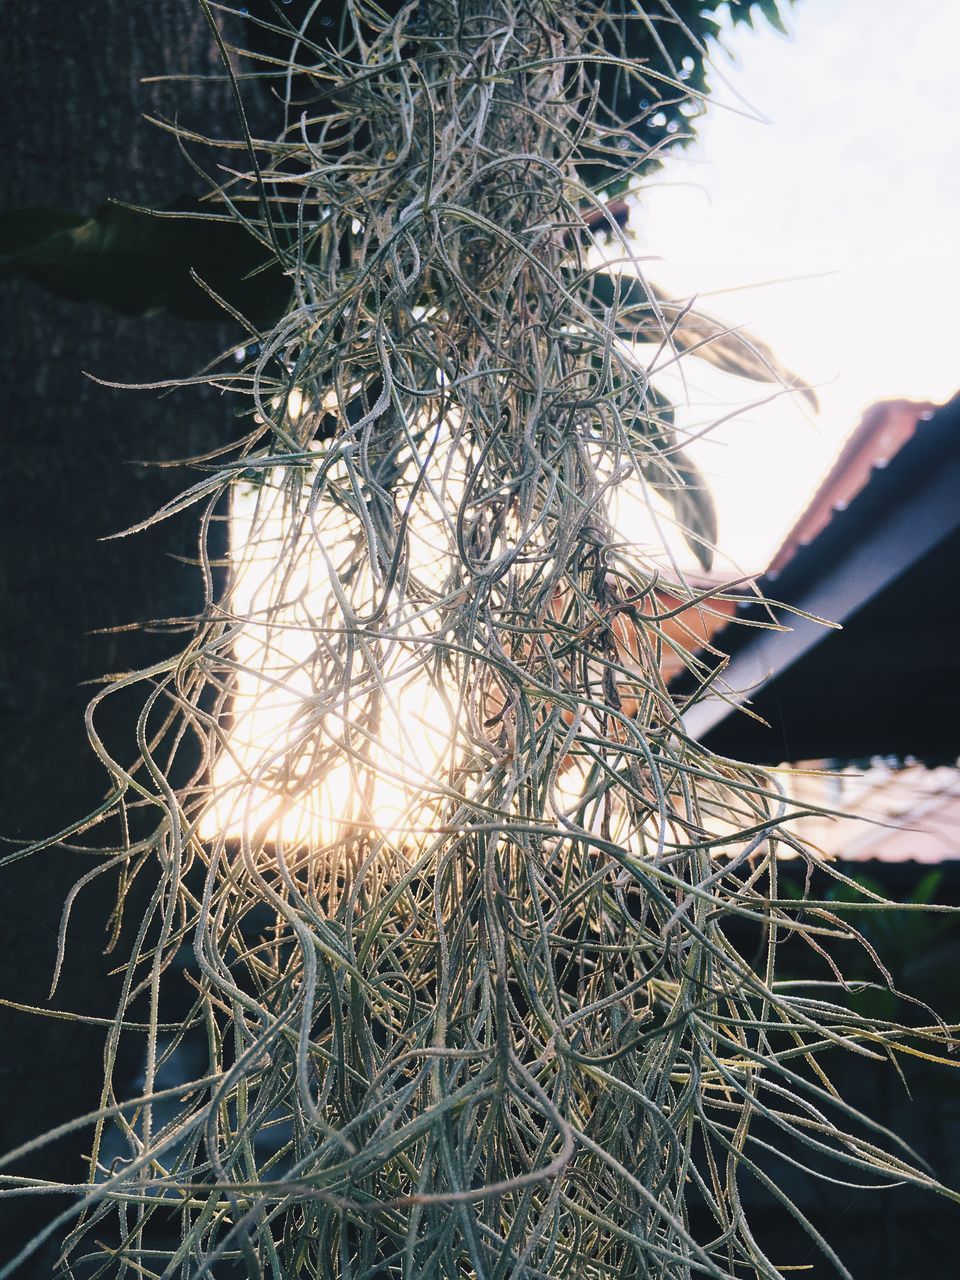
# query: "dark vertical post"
[[72, 103]]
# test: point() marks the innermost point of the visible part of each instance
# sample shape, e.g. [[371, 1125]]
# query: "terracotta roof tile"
[[883, 431]]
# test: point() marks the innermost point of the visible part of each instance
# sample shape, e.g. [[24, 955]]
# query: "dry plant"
[[459, 905]]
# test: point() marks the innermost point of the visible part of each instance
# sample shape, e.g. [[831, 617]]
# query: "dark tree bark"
[[72, 101]]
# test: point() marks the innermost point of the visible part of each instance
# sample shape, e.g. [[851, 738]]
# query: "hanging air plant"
[[459, 906]]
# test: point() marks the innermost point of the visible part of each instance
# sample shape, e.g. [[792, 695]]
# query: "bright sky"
[[852, 181]]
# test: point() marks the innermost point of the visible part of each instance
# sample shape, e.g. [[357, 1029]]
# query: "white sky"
[[853, 181]]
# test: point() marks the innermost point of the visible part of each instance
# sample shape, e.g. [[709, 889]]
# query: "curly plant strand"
[[447, 897]]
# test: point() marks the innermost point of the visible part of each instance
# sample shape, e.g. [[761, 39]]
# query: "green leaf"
[[771, 12], [645, 314], [140, 262], [741, 11], [926, 888], [693, 507], [677, 477]]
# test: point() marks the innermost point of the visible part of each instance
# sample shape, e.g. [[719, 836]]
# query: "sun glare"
[[378, 730], [356, 722]]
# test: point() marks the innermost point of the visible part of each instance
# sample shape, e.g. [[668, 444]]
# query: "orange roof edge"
[[883, 431]]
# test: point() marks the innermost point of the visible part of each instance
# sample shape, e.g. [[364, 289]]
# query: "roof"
[[883, 813], [883, 431], [877, 550]]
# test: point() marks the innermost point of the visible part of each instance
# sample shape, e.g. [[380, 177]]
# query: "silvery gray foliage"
[[461, 915]]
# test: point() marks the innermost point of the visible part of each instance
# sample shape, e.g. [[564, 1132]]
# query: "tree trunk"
[[72, 102]]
